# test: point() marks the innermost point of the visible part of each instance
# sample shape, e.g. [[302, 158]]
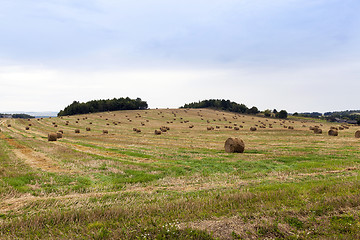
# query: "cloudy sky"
[[298, 55]]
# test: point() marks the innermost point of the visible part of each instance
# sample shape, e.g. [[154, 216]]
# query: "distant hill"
[[16, 115], [34, 114], [349, 116]]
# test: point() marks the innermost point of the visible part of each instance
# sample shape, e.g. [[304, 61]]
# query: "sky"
[[297, 55]]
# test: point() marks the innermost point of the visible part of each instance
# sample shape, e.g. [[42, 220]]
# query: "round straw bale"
[[59, 135], [157, 132], [357, 134], [138, 130], [77, 130], [88, 129], [52, 137], [318, 130], [312, 128], [105, 131], [27, 128], [236, 128], [61, 131], [333, 132], [191, 126], [9, 125], [253, 129], [234, 145], [55, 125]]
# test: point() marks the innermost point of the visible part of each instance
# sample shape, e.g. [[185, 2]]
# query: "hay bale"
[[9, 125], [291, 127], [27, 128], [105, 131], [52, 137], [77, 130], [236, 128], [318, 131], [55, 125], [59, 135], [312, 128], [253, 129], [333, 132], [157, 132], [234, 145], [138, 130], [88, 129], [191, 126], [61, 131], [357, 134]]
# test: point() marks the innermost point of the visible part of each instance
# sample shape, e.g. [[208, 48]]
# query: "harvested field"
[[172, 181]]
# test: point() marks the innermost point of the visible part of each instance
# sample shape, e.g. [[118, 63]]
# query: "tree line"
[[227, 105], [221, 104], [93, 106], [17, 115]]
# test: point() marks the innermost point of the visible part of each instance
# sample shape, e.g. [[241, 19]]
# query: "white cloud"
[[292, 54]]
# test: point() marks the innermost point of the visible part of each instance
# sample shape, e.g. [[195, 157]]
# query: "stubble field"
[[288, 184]]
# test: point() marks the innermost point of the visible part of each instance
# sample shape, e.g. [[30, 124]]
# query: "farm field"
[[181, 184]]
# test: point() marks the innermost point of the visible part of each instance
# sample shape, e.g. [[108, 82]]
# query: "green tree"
[[267, 113], [282, 114], [253, 110]]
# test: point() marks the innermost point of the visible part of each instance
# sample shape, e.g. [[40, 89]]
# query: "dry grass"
[[185, 172]]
